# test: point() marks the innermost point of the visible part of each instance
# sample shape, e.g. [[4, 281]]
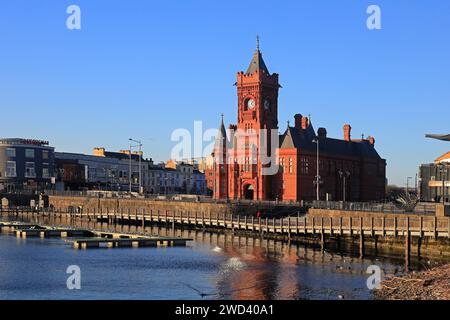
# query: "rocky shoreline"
[[432, 284]]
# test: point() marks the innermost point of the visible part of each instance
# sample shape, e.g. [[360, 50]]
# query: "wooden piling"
[[361, 238], [407, 244]]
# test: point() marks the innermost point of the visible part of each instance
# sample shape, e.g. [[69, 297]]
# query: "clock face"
[[250, 104], [266, 104]]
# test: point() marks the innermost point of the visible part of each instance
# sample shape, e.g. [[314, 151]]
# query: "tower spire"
[[257, 63]]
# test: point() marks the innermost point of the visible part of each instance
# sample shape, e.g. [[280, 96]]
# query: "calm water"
[[220, 265]]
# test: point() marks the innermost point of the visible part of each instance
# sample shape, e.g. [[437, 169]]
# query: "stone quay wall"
[[92, 203]]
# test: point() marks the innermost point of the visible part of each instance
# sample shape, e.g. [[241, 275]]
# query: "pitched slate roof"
[[296, 138], [257, 63], [303, 140], [221, 137]]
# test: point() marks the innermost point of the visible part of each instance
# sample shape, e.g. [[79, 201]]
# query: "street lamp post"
[[317, 141], [139, 144], [407, 184]]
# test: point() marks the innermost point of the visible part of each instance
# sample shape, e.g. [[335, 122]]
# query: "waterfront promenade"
[[318, 224]]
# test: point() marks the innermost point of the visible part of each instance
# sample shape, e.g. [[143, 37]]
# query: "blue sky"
[[143, 68]]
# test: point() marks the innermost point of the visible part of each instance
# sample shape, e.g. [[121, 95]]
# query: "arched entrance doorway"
[[249, 192]]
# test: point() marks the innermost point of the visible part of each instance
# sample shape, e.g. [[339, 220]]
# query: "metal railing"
[[384, 207], [171, 197]]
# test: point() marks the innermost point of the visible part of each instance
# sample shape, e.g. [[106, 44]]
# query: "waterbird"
[[201, 294]]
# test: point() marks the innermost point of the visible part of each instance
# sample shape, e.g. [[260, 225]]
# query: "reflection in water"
[[223, 266]]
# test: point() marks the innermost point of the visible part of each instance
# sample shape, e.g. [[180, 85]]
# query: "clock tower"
[[257, 92]]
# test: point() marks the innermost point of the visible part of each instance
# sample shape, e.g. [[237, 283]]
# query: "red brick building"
[[349, 168]]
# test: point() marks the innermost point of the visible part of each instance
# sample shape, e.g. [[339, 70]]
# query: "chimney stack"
[[298, 121], [322, 133], [99, 152], [305, 123], [347, 132]]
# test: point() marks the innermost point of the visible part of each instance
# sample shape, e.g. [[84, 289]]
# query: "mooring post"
[[322, 241], [203, 219], [350, 224], [305, 221], [322, 229], [372, 233], [407, 245], [173, 220], [267, 225], [395, 227], [361, 238], [419, 245], [421, 227], [435, 233], [313, 226], [289, 227], [274, 228], [259, 220], [331, 226], [376, 244]]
